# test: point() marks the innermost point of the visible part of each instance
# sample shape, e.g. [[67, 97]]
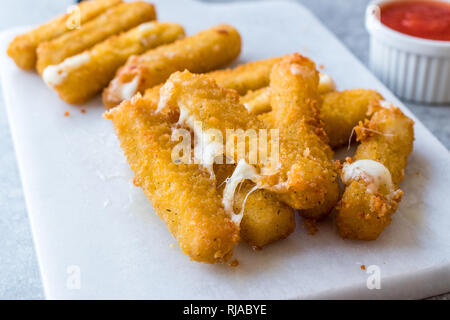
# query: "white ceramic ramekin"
[[414, 69]]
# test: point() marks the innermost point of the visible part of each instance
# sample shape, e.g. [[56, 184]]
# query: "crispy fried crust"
[[183, 195], [249, 76], [83, 82], [216, 107], [393, 146], [307, 177], [387, 138], [257, 101], [340, 111], [363, 215], [115, 20], [23, 48], [207, 50], [246, 77]]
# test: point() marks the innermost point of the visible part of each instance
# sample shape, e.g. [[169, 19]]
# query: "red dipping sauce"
[[423, 19]]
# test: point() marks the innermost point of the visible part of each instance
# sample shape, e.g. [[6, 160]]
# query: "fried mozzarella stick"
[[243, 78], [210, 112], [183, 195], [80, 77], [340, 111], [207, 50], [23, 48], [373, 177], [306, 177], [115, 20], [258, 101]]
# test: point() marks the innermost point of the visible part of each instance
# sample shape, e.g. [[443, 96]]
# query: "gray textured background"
[[19, 272]]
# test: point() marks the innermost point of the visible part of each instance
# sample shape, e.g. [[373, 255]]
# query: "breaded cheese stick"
[[183, 195], [23, 48], [80, 77], [306, 177], [198, 99], [115, 20], [258, 101], [373, 177], [207, 50], [340, 111], [324, 206], [245, 77]]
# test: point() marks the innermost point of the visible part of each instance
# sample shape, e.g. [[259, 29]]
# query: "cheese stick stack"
[[23, 48], [115, 20], [80, 77]]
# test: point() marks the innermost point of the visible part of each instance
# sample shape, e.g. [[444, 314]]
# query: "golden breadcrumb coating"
[[245, 77], [207, 50], [201, 97], [307, 176], [23, 48], [257, 101], [84, 81], [388, 139], [393, 146], [340, 111], [113, 21], [249, 76]]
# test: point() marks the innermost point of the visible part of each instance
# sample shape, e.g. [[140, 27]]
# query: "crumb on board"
[[322, 66], [363, 267], [234, 263], [83, 110], [66, 114], [311, 226]]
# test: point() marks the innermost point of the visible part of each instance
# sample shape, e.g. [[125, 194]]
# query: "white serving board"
[[84, 211]]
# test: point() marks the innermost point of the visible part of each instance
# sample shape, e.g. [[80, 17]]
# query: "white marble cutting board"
[[86, 216]]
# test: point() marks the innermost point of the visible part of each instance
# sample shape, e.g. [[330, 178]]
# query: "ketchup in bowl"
[[423, 19]]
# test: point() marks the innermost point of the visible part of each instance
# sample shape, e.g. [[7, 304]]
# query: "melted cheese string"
[[243, 171]]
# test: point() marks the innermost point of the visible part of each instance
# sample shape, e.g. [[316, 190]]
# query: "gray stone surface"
[[19, 271]]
